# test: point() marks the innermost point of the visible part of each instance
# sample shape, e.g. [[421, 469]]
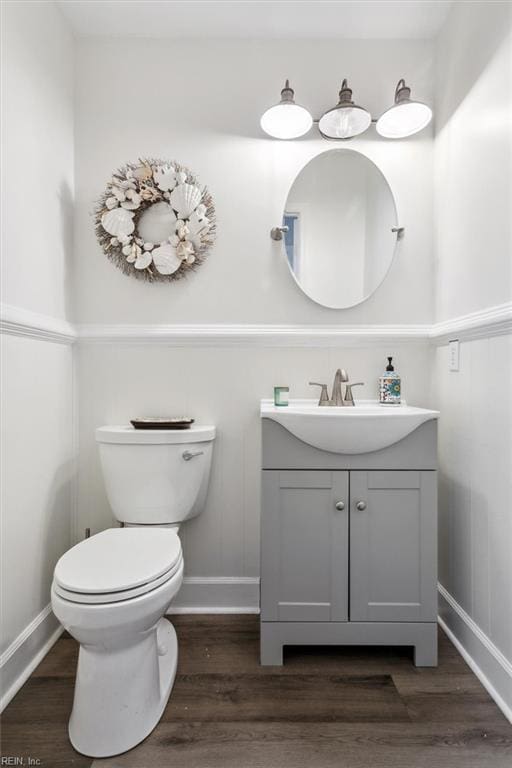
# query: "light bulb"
[[405, 117], [346, 119], [286, 120]]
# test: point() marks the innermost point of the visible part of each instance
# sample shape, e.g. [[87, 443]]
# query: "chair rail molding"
[[17, 321], [262, 335], [492, 321]]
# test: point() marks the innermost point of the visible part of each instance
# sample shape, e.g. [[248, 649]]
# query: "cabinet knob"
[[340, 506], [361, 506]]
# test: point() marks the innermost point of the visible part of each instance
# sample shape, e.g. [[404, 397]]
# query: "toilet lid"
[[96, 598], [118, 559]]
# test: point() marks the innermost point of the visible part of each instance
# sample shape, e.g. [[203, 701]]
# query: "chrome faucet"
[[337, 395], [337, 399]]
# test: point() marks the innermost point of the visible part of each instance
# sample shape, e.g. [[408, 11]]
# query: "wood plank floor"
[[325, 708]]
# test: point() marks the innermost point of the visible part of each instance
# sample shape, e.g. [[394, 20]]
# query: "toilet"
[[112, 590]]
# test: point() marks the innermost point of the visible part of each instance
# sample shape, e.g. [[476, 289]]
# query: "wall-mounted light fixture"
[[405, 117], [288, 120], [346, 119]]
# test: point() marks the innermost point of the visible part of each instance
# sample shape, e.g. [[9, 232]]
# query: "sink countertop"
[[365, 427]]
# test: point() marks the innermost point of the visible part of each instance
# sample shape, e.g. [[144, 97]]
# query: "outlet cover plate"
[[453, 355]]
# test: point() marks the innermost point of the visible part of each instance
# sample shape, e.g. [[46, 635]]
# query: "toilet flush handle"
[[187, 455]]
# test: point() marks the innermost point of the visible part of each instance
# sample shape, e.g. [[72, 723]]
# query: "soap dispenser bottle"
[[389, 385]]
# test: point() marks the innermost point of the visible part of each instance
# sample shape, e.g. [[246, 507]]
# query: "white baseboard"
[[487, 662], [218, 594], [24, 654]]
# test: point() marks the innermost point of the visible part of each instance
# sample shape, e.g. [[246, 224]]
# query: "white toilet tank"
[[155, 476]]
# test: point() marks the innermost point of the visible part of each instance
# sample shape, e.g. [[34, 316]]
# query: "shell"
[[165, 177], [142, 173], [185, 250], [111, 202], [118, 222], [143, 260], [133, 200], [166, 260], [132, 252], [185, 199], [198, 224], [182, 231], [149, 193], [118, 193]]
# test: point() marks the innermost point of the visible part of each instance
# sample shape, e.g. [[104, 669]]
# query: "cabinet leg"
[[271, 648], [425, 651]]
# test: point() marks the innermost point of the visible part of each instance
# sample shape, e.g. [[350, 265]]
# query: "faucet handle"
[[324, 395], [349, 398]]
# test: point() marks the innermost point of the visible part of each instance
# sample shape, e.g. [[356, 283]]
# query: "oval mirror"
[[339, 218]]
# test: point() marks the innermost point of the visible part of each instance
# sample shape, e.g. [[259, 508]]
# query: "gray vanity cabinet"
[[348, 545], [305, 546]]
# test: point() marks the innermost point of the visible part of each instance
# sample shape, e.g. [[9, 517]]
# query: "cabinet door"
[[304, 546], [393, 550]]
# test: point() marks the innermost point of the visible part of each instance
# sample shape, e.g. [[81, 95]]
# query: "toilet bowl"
[[111, 591]]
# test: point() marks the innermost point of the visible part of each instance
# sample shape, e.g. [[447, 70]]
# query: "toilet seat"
[[95, 598], [118, 564]]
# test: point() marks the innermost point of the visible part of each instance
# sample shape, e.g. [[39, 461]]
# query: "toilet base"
[[120, 695]]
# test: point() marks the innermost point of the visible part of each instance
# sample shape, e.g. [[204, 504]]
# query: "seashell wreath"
[[169, 195]]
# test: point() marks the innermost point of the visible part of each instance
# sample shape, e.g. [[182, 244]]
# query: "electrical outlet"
[[453, 355]]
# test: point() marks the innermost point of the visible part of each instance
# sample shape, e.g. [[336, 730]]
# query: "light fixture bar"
[[288, 120]]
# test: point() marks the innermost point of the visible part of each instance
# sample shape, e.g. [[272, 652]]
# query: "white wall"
[[37, 375], [473, 159], [222, 386], [200, 103], [473, 165], [37, 176], [207, 116]]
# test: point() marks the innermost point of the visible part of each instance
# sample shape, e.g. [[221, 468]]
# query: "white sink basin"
[[363, 428]]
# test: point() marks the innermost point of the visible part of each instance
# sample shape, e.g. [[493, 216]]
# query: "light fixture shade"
[[346, 119], [406, 117], [286, 120]]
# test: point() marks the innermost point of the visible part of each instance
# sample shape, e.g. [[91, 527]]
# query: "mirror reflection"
[[339, 218]]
